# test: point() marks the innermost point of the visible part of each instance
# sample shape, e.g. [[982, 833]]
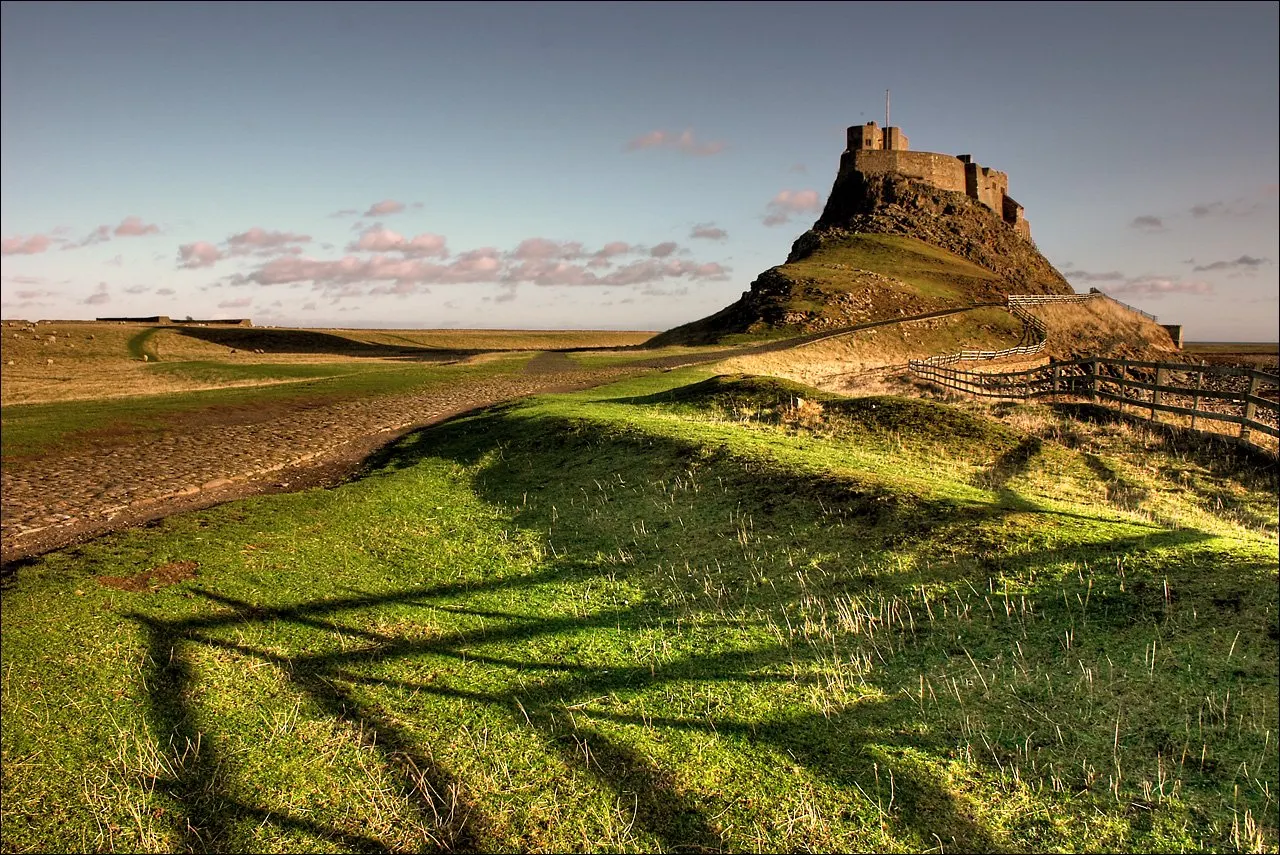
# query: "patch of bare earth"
[[154, 579]]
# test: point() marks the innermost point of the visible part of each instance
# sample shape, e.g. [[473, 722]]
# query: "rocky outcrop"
[[891, 205]]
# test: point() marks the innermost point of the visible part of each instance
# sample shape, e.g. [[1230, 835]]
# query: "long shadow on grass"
[[856, 745]]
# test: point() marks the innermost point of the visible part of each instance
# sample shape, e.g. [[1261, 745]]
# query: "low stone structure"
[[165, 319]]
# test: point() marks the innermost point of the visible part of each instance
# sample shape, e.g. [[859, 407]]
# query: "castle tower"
[[865, 138]]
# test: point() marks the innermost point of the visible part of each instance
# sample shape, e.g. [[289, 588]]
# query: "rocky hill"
[[885, 246]]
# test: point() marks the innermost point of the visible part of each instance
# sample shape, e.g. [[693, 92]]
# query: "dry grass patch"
[[850, 362], [1101, 327]]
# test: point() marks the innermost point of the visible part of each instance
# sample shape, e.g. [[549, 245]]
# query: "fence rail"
[[1207, 393]]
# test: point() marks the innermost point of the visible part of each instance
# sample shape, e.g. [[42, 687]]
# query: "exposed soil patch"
[[154, 579]]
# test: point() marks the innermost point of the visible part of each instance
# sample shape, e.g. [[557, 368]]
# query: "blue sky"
[[625, 166]]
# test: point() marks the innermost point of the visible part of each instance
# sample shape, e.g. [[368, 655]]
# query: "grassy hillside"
[[852, 280], [681, 613]]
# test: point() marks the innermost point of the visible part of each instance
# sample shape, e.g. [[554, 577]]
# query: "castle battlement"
[[872, 150]]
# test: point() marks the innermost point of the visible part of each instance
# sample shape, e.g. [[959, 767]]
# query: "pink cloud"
[[708, 231], [19, 245], [603, 257], [653, 270], [387, 263], [788, 203], [383, 208], [378, 239], [541, 248], [257, 237], [683, 142], [137, 289], [134, 227], [238, 303], [198, 254]]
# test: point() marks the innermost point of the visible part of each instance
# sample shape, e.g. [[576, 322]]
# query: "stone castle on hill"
[[875, 151]]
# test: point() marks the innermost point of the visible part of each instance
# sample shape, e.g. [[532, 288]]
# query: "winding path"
[[59, 499]]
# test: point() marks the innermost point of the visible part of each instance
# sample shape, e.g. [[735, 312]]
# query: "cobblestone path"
[[56, 499]]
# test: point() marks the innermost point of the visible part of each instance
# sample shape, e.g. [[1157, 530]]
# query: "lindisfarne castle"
[[872, 150]]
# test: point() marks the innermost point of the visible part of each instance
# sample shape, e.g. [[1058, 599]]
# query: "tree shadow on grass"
[[857, 745]]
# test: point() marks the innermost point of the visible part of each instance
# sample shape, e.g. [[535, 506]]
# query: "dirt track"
[[210, 457], [207, 458]]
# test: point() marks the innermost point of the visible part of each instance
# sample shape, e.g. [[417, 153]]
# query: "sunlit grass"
[[677, 613]]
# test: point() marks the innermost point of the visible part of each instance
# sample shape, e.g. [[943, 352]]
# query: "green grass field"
[[680, 613]]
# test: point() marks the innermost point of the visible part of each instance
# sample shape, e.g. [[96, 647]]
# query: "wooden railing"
[[1206, 393]]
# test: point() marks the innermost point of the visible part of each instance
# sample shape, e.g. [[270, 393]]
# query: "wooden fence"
[[1206, 393]]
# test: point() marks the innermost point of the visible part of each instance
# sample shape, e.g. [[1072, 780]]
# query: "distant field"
[[1234, 346], [83, 361], [1261, 355]]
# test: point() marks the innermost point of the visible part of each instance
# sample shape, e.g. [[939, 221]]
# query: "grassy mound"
[[851, 280], [677, 613]]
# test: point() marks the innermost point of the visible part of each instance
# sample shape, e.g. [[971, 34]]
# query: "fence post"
[[1155, 393], [1195, 399], [1057, 376], [1093, 380], [1124, 389], [1249, 409]]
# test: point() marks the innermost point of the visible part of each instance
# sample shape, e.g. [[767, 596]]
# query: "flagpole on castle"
[[886, 108]]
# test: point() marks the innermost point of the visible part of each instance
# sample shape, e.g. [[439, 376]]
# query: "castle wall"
[[987, 185], [940, 170]]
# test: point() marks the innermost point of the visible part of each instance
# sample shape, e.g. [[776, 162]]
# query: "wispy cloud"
[[135, 227], [384, 208], [790, 203], [98, 297], [1147, 222], [1159, 286], [257, 239], [684, 142], [708, 231], [1088, 276], [664, 249], [238, 303], [1243, 263]]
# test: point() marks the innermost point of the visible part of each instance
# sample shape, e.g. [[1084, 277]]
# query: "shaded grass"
[[661, 616]]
